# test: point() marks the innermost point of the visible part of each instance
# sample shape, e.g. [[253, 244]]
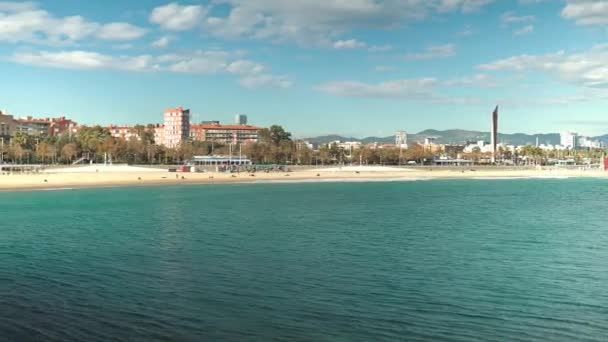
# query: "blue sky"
[[353, 67]]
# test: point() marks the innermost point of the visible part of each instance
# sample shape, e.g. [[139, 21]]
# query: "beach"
[[116, 176]]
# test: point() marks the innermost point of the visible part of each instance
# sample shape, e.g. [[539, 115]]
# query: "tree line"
[[274, 146]]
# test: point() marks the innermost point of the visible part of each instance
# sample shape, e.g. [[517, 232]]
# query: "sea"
[[440, 260]]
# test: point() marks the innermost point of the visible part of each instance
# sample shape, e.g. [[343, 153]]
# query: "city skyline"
[[380, 65]]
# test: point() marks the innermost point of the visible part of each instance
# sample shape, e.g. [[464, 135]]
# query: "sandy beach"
[[116, 176]]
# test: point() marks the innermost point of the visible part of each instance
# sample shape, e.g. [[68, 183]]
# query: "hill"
[[456, 136]]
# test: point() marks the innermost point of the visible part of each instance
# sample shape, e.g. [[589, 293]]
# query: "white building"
[[586, 142], [347, 145], [401, 139], [488, 148], [569, 140]]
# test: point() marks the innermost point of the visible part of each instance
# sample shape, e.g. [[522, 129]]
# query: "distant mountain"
[[456, 136], [325, 139]]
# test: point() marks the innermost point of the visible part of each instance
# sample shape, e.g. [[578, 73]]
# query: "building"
[[7, 126], [494, 134], [569, 140], [31, 126], [401, 139], [218, 160], [586, 142], [61, 125], [225, 134], [124, 132], [453, 151], [46, 126], [240, 119], [176, 126], [159, 134]]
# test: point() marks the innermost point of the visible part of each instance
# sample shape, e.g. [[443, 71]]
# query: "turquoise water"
[[467, 260]]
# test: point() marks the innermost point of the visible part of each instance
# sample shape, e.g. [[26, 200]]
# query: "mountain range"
[[456, 136]]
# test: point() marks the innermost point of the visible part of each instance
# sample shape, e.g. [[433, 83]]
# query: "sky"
[[351, 67]]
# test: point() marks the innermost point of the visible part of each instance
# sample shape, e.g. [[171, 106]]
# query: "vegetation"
[[275, 146]]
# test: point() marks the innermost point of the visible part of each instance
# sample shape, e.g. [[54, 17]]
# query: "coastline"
[[68, 181]]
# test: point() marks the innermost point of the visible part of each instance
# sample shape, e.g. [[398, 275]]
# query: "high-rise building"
[[240, 119], [177, 126], [494, 134], [401, 139], [569, 140]]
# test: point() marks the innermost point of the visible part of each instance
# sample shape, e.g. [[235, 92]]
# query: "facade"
[[47, 126], [225, 134], [586, 142], [453, 151], [61, 125], [401, 139], [159, 134], [31, 126], [429, 141], [569, 140], [240, 119], [219, 160], [7, 125], [124, 132], [176, 126], [347, 145]]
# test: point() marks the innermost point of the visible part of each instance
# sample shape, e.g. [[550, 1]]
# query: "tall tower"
[[177, 126], [494, 134], [240, 119], [401, 139]]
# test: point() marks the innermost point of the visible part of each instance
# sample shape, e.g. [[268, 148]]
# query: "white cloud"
[[14, 6], [25, 22], [175, 17], [587, 12], [524, 30], [410, 88], [321, 22], [122, 46], [83, 60], [462, 5], [512, 18], [586, 68], [245, 67], [434, 51], [161, 42], [380, 48], [348, 44], [531, 2], [477, 80], [265, 81], [120, 31], [250, 74]]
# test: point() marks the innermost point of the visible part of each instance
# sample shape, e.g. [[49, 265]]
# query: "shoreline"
[[72, 181]]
